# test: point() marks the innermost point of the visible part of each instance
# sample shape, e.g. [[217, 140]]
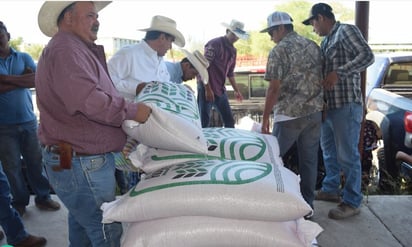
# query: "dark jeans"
[[16, 142], [221, 105], [9, 219]]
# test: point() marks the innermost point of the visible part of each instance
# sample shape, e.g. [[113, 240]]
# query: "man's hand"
[[28, 70], [143, 113], [11, 82], [265, 126], [239, 96], [140, 87], [210, 96], [330, 81]]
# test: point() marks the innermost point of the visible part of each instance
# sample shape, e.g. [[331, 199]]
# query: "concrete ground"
[[384, 221]]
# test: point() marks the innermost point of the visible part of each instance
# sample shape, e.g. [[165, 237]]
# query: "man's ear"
[[8, 36]]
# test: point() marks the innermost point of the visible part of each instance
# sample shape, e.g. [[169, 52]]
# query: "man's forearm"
[[6, 87], [22, 81]]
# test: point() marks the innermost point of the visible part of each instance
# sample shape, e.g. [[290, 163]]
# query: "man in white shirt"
[[131, 67]]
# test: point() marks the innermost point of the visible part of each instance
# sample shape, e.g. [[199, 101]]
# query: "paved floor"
[[385, 221]]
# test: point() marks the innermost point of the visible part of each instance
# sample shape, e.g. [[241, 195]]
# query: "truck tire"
[[387, 184]]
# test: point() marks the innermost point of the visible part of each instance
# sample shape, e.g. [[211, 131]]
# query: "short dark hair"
[[153, 35], [288, 27], [2, 26], [186, 60]]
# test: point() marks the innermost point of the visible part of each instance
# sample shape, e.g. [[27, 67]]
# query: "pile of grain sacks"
[[232, 191]]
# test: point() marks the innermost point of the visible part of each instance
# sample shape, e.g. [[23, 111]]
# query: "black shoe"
[[31, 241], [1, 235], [48, 205]]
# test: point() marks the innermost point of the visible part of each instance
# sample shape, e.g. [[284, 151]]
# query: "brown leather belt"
[[56, 150]]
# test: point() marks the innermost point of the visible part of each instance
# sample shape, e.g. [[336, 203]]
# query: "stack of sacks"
[[206, 187], [223, 143], [215, 203]]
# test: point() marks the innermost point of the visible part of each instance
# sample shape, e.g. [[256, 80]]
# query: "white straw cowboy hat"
[[50, 11], [237, 27], [167, 25], [200, 63]]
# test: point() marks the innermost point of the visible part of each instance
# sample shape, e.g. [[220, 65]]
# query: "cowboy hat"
[[199, 62], [236, 27], [167, 25], [50, 11]]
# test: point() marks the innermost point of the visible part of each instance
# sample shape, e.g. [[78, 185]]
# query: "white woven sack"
[[174, 123], [247, 123], [218, 188], [197, 231], [223, 143]]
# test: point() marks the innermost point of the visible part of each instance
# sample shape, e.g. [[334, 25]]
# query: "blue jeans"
[[19, 142], [339, 142], [305, 131], [10, 220], [83, 189], [133, 178], [121, 181], [221, 105]]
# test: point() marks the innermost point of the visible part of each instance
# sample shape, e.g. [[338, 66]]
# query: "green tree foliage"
[[16, 43], [34, 50], [259, 44]]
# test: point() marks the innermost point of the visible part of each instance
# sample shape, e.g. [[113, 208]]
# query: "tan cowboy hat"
[[167, 25], [50, 11], [237, 27], [200, 63]]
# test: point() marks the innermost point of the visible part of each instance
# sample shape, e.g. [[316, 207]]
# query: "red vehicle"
[[406, 158]]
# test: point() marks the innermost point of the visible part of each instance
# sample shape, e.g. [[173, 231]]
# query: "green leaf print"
[[202, 172]]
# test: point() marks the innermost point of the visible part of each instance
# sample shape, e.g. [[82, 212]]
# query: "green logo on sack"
[[210, 172], [232, 144], [171, 97]]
